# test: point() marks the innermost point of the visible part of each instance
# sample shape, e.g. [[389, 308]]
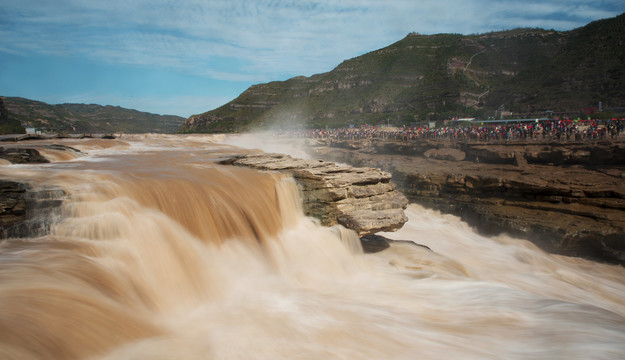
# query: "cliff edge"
[[566, 197], [361, 199]]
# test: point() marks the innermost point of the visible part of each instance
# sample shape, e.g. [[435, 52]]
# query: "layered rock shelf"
[[568, 198], [26, 212], [361, 199]]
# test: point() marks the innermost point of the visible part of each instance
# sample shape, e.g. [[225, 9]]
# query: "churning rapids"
[[159, 253]]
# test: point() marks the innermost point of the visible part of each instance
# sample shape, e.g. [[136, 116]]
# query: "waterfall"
[[158, 252]]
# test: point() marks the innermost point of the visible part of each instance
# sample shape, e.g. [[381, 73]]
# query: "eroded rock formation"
[[20, 155], [568, 198], [361, 199], [26, 211]]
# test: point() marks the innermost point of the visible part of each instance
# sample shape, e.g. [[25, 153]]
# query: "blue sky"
[[186, 57]]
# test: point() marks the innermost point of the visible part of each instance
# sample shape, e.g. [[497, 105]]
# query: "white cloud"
[[269, 37]]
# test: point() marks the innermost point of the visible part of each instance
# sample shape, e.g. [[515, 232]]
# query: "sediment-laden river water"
[[157, 252]]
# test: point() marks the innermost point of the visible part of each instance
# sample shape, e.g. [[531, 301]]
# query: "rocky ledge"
[[16, 155], [361, 199], [568, 198], [31, 154], [26, 211]]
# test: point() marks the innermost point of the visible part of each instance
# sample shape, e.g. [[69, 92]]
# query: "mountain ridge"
[[87, 118], [435, 77]]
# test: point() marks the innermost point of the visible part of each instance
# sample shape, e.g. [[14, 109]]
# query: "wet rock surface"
[[27, 212], [31, 154], [20, 155], [375, 243], [361, 199], [568, 198], [12, 205]]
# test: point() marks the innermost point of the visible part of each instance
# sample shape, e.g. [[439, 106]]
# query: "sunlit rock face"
[[361, 199]]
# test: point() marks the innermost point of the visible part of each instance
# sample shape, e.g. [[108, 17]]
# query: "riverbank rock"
[[19, 155], [12, 205], [35, 153], [568, 198], [361, 199], [27, 212]]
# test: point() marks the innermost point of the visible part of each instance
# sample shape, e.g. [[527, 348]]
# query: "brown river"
[[157, 252]]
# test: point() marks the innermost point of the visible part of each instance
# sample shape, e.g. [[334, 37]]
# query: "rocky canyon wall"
[[568, 198]]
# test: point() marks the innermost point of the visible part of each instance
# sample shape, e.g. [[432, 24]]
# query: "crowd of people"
[[552, 130]]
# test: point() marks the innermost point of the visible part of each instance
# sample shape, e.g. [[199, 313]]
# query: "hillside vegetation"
[[8, 125], [87, 118], [433, 77]]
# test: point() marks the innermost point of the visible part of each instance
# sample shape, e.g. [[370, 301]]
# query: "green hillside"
[[87, 118], [433, 77]]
